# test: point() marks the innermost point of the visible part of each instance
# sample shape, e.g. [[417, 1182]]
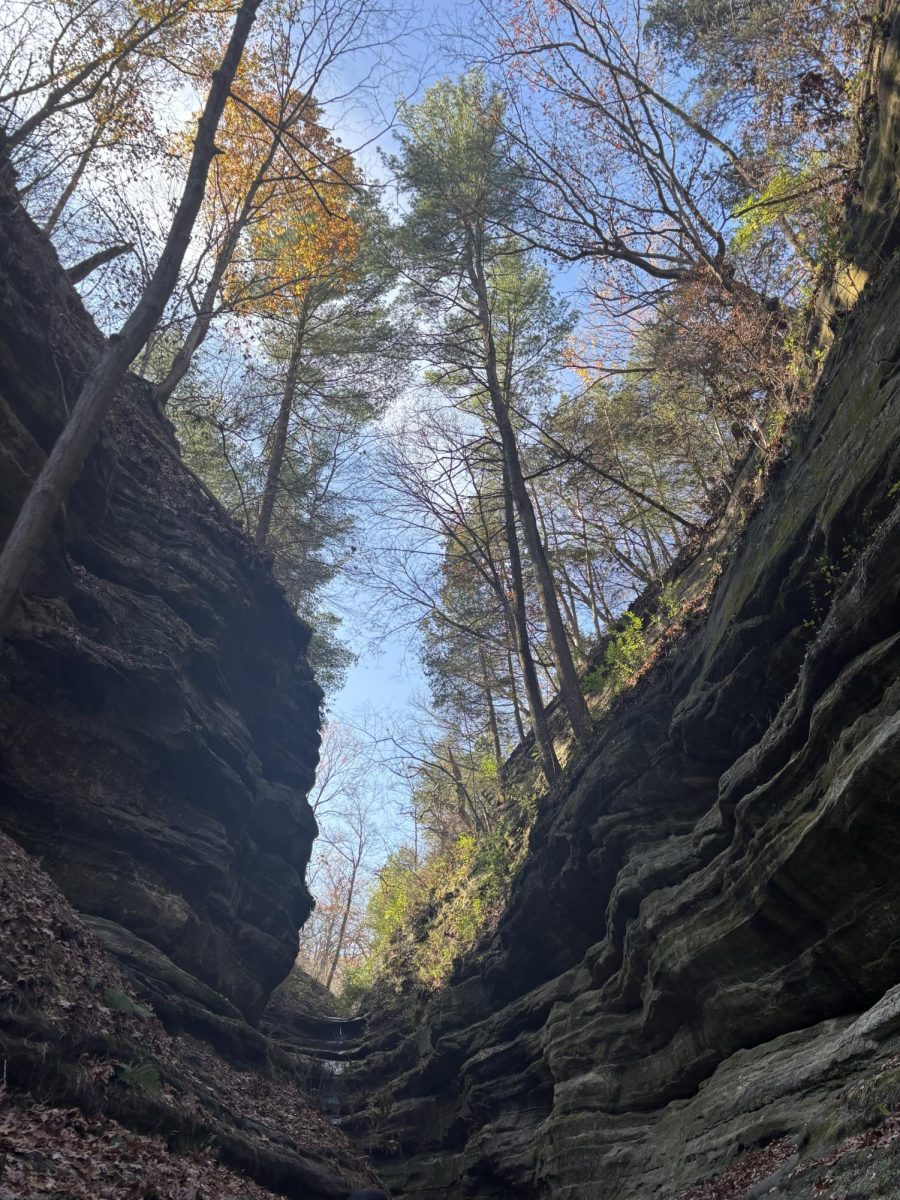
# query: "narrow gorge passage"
[[591, 435]]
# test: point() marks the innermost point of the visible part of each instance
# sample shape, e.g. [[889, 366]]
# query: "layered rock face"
[[158, 718], [699, 954]]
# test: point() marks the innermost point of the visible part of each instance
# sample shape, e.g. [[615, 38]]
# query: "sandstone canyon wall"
[[694, 989], [158, 718]]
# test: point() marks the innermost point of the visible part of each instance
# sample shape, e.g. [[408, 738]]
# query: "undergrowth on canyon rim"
[[624, 656], [425, 914]]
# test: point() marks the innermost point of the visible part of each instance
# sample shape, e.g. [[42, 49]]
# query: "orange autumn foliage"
[[297, 227]]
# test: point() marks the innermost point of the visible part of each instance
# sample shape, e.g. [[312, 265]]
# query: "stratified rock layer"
[[158, 718], [76, 1036], [699, 954]]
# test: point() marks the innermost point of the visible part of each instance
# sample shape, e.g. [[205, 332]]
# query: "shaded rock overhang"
[[159, 722]]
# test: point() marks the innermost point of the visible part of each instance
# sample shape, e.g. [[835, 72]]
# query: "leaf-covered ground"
[[867, 1155], [736, 1181], [75, 1032], [57, 1152]]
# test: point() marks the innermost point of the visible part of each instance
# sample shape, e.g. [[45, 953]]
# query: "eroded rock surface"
[[700, 956], [100, 1099], [158, 718]]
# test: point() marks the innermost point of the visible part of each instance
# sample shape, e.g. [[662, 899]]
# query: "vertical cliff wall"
[[158, 718], [693, 991]]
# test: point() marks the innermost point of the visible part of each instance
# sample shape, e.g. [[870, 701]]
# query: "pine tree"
[[466, 192]]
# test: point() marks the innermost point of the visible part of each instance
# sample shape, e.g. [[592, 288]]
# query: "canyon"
[[694, 990]]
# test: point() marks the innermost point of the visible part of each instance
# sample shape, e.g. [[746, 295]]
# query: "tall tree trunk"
[[493, 728], [63, 466], [342, 932], [588, 567], [203, 319], [196, 335], [466, 806], [74, 179], [280, 434], [569, 684], [564, 590], [569, 601], [537, 715], [494, 577], [514, 696]]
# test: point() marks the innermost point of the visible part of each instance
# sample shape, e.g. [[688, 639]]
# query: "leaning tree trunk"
[[536, 712], [280, 435], [342, 932], [196, 335], [514, 696], [63, 466], [493, 727], [569, 684], [74, 179]]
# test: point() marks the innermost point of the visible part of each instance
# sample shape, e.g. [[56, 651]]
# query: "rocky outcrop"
[[100, 1099], [158, 718], [700, 954], [304, 1015]]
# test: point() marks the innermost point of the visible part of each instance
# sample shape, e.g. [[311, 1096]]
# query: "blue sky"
[[385, 677], [382, 680]]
